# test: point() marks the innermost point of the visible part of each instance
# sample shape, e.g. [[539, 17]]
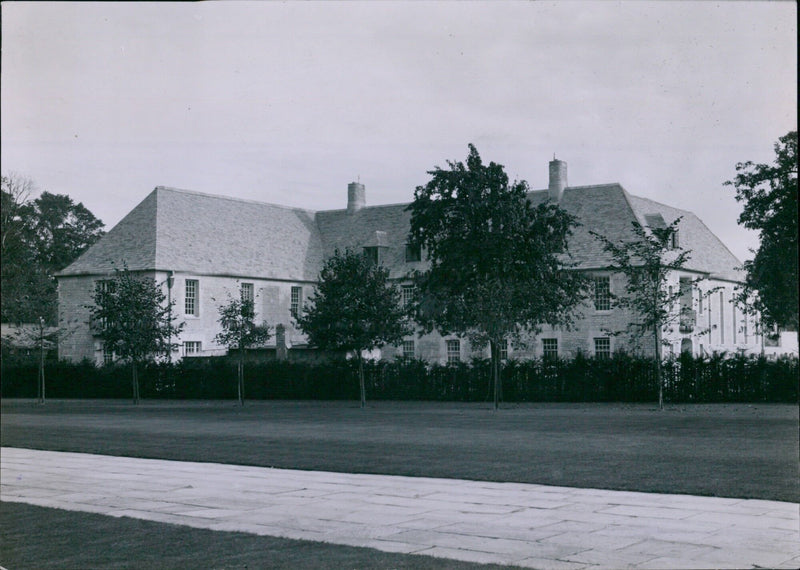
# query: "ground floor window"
[[192, 348], [453, 351], [602, 347], [108, 356], [549, 348], [504, 349], [408, 350]]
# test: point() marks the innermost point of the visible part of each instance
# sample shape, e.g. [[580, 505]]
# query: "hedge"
[[622, 378]]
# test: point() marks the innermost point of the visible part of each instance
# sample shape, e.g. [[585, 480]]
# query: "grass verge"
[[39, 538]]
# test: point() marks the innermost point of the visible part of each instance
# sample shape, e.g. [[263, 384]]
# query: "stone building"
[[204, 248]]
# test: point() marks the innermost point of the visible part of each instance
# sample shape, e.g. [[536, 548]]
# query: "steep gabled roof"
[[209, 235], [132, 240], [708, 253], [214, 235]]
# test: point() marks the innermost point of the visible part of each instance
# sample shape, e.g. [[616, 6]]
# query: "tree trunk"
[[240, 376], [135, 378], [41, 364], [494, 349], [657, 360], [361, 379]]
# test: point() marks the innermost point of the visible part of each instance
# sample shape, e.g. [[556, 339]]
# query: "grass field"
[[748, 451]]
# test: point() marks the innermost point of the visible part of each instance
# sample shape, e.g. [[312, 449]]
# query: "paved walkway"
[[508, 523]]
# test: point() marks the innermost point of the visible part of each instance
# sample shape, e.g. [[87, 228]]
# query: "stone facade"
[[221, 243]]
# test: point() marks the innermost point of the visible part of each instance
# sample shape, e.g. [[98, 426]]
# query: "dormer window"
[[674, 242], [373, 254], [413, 253]]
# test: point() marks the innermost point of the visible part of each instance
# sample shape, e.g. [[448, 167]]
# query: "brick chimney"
[[356, 197], [558, 179]]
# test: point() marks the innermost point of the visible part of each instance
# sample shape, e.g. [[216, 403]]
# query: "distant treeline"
[[621, 378]]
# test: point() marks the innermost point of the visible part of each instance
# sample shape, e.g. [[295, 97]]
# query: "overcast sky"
[[288, 102]]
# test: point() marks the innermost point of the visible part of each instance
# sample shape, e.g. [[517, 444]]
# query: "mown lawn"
[[748, 451]]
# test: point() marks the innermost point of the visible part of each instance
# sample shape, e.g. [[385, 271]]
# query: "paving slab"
[[517, 524]]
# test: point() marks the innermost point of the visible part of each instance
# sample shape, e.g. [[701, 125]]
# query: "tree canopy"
[[498, 264], [133, 319], [39, 238], [354, 308], [769, 195]]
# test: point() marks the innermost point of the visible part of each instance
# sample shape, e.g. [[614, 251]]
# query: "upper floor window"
[[453, 351], [296, 301], [407, 292], [602, 293], [674, 240], [247, 292], [413, 253], [372, 254], [549, 348], [602, 347], [192, 297]]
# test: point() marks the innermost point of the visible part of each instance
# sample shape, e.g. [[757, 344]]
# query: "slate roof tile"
[[205, 234]]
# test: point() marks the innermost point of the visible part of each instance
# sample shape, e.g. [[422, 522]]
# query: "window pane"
[[408, 350], [247, 292], [550, 347], [602, 293], [453, 351], [190, 301], [602, 347], [296, 301], [408, 294]]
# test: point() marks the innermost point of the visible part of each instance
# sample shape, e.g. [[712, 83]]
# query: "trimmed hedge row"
[[621, 378]]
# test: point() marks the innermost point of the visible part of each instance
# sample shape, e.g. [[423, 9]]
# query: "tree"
[[646, 261], [769, 194], [133, 319], [498, 265], [354, 308], [39, 238], [240, 332]]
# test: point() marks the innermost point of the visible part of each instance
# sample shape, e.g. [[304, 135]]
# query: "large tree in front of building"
[[39, 237], [769, 195], [133, 319], [646, 261], [354, 308], [240, 332], [498, 265]]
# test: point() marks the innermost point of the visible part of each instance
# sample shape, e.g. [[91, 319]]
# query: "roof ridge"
[[232, 199]]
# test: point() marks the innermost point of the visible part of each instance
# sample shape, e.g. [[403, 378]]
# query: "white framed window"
[[407, 292], [296, 301], [192, 348], [108, 356], [504, 344], [733, 321], [453, 351], [191, 305], [409, 350], [674, 240], [602, 347], [549, 348], [248, 292], [721, 317], [602, 293]]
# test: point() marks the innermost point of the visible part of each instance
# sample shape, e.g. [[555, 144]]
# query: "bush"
[[621, 378]]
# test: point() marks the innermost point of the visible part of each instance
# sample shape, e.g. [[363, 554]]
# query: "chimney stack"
[[356, 197], [558, 179]]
